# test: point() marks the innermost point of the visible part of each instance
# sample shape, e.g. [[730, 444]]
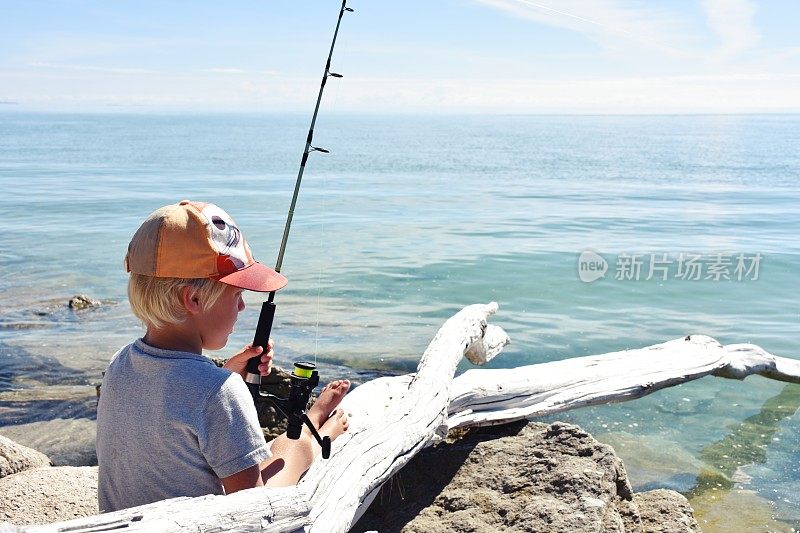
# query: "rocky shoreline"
[[516, 477], [523, 477]]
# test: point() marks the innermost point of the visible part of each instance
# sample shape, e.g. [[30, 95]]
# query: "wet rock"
[[272, 421], [519, 477], [44, 495], [653, 461], [665, 511], [81, 301], [17, 458], [65, 441]]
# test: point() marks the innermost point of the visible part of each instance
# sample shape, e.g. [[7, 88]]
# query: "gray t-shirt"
[[171, 424]]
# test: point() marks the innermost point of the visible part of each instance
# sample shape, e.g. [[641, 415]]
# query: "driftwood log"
[[498, 396], [391, 419]]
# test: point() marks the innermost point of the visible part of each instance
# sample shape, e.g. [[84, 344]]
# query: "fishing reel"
[[303, 379]]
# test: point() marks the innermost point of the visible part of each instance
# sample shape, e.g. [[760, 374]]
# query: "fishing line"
[[267, 315], [323, 209], [319, 275]]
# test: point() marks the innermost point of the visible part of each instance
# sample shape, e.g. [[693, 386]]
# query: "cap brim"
[[256, 277]]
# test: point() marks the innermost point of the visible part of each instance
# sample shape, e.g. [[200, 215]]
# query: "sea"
[[593, 233]]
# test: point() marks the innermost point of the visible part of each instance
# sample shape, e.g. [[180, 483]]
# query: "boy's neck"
[[175, 338]]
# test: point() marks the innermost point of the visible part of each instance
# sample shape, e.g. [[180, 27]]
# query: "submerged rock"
[[81, 301], [65, 441], [533, 477], [17, 458], [665, 511]]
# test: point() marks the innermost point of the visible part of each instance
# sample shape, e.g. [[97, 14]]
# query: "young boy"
[[171, 423]]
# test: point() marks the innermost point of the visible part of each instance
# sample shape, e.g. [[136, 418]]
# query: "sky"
[[402, 56]]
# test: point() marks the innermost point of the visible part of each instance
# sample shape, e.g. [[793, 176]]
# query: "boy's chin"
[[216, 346]]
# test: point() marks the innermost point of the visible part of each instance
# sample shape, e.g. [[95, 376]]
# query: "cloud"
[[604, 21], [732, 22], [224, 70], [92, 68], [70, 48], [138, 71], [634, 94], [706, 93]]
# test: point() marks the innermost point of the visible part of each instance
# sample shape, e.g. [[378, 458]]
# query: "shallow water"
[[407, 220]]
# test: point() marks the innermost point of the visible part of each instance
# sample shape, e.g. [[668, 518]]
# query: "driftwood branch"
[[391, 419], [498, 396]]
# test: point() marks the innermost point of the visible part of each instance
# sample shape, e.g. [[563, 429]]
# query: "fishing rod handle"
[[264, 327], [261, 338]]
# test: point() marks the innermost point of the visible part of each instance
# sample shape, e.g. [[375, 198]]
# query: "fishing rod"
[[304, 377]]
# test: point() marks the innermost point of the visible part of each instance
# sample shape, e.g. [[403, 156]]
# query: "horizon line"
[[17, 108]]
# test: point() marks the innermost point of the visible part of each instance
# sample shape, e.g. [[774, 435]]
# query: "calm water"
[[411, 218]]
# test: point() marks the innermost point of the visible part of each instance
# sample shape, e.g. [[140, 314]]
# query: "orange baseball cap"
[[197, 240]]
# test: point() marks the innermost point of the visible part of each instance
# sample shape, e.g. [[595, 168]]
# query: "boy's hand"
[[238, 363]]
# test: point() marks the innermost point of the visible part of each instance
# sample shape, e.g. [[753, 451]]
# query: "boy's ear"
[[190, 299]]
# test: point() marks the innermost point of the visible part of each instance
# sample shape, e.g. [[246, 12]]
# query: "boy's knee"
[[309, 444]]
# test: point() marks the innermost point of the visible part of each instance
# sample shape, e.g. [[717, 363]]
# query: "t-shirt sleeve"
[[228, 432]]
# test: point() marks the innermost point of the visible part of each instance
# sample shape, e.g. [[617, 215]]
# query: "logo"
[[661, 266], [591, 266]]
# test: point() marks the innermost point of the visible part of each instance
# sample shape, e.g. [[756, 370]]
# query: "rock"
[[65, 441], [81, 301], [272, 421], [44, 495], [17, 458], [654, 461], [665, 511], [519, 477]]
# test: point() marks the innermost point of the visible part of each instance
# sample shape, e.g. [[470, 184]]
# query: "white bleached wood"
[[276, 510], [747, 359], [391, 419], [497, 396], [491, 344]]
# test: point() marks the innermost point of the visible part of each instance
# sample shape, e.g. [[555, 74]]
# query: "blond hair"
[[157, 301]]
